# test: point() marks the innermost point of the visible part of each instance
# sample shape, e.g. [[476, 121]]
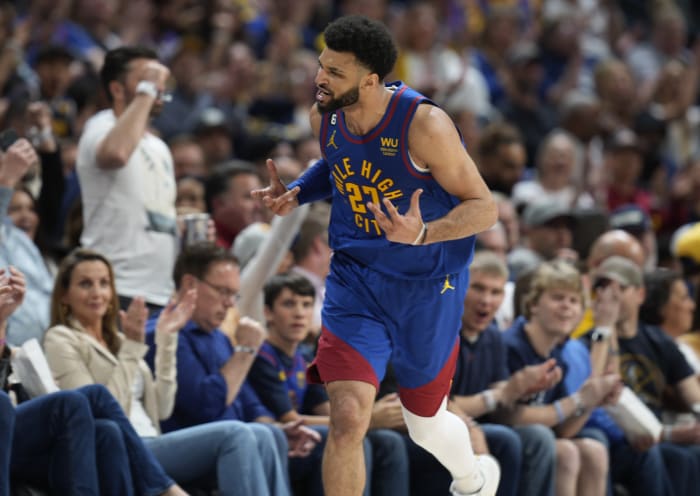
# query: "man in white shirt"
[[127, 179]]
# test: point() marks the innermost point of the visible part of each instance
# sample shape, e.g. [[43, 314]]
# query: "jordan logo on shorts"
[[331, 141], [446, 285]]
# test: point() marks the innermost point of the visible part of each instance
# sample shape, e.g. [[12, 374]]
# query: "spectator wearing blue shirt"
[[211, 372], [278, 374], [553, 306], [31, 319]]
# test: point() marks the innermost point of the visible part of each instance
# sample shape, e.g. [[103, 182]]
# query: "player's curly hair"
[[369, 40]]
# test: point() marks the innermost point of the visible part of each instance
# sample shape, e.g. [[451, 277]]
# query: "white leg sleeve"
[[446, 437]]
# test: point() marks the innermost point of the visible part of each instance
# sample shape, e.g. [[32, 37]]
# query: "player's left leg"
[[425, 353], [446, 437]]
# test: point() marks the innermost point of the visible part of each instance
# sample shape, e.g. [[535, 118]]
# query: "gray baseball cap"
[[543, 212], [620, 269]]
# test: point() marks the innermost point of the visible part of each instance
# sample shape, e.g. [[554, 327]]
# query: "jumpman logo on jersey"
[[331, 141], [446, 285]]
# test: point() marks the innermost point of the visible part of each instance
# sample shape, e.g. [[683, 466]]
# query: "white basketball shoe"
[[490, 473]]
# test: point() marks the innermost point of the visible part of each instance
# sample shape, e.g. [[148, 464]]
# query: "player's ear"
[[370, 80]]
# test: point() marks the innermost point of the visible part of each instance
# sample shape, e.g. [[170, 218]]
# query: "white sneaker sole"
[[490, 471]]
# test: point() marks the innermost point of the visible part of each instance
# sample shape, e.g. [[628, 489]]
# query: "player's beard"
[[350, 97]]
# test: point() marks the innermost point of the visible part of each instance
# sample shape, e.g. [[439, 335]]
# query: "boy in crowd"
[[553, 306], [278, 375]]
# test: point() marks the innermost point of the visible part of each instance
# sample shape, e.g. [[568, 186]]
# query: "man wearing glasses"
[[211, 372]]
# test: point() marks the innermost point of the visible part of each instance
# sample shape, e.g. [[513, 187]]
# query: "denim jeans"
[[7, 429], [79, 442], [682, 464], [241, 459], [305, 473], [276, 463], [538, 459], [113, 467], [149, 478], [54, 444], [639, 472], [505, 445], [389, 463]]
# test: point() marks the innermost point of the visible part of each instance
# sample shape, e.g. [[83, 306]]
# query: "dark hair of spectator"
[[658, 285], [41, 237], [496, 135], [60, 313], [117, 61], [8, 14], [218, 181], [53, 53], [196, 260], [368, 40], [85, 89], [315, 225], [296, 283]]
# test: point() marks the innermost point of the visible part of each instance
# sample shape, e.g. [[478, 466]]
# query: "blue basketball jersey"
[[375, 166], [292, 375]]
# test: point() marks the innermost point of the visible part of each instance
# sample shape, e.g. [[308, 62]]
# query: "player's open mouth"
[[322, 95]]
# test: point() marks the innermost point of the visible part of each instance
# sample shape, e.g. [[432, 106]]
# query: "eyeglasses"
[[225, 293]]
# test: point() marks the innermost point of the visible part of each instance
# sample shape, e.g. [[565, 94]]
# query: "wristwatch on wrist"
[[245, 349], [579, 406], [601, 333], [490, 400], [147, 88]]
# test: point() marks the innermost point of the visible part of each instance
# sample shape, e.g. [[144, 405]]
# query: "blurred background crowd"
[[583, 117], [590, 103]]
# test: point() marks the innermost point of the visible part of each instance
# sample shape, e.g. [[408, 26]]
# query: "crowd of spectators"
[[583, 117]]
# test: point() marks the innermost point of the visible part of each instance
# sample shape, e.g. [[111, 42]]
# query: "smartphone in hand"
[[7, 138]]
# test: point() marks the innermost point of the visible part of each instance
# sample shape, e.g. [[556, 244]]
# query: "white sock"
[[446, 437]]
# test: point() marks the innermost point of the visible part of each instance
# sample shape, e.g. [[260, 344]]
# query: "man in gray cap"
[[547, 235], [649, 364]]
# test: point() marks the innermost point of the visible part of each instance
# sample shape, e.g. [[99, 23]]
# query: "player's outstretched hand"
[[276, 196], [399, 228]]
